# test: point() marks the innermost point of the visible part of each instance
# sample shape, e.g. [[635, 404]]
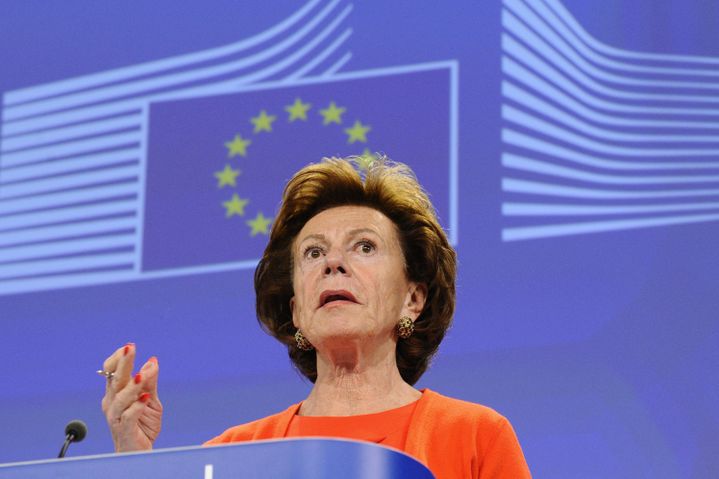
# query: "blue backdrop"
[[571, 149]]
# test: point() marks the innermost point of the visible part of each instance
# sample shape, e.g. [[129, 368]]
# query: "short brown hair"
[[392, 189]]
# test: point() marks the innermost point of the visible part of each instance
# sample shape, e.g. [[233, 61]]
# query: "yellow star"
[[366, 159], [237, 146], [228, 176], [298, 110], [358, 132], [332, 114], [263, 122], [259, 224], [235, 206]]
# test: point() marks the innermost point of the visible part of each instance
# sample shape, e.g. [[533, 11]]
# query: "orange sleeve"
[[503, 458]]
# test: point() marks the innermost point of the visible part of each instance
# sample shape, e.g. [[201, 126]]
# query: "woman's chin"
[[343, 336]]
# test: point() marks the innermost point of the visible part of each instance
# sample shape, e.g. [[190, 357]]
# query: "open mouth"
[[334, 296]]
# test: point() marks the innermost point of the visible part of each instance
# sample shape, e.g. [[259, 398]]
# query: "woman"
[[358, 281]]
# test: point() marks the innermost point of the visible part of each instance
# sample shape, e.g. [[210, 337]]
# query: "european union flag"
[[216, 165]]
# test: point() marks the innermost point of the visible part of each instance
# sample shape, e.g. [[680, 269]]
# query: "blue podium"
[[285, 458]]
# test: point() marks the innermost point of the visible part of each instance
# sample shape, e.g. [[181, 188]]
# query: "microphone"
[[75, 431]]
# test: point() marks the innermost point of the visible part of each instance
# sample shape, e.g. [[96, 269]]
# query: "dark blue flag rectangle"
[[217, 164]]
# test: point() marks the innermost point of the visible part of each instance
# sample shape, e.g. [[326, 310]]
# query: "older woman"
[[358, 281]]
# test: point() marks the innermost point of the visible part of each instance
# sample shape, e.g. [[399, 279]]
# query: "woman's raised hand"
[[131, 405]]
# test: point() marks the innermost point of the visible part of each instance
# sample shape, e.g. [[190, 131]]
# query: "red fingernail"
[[127, 348], [144, 397], [138, 378], [153, 359]]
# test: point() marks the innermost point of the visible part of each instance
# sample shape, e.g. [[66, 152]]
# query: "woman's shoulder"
[[452, 409], [270, 427], [438, 413], [474, 436]]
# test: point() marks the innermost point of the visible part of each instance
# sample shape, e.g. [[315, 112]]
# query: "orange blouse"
[[455, 439], [388, 428]]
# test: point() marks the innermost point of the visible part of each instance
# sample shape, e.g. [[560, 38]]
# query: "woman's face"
[[349, 278]]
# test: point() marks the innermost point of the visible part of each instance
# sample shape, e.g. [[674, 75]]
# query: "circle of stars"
[[262, 123]]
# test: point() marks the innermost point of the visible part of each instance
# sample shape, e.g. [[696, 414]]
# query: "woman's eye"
[[366, 247], [313, 253]]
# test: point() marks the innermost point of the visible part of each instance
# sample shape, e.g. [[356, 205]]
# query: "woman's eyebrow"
[[358, 231], [314, 236], [352, 233]]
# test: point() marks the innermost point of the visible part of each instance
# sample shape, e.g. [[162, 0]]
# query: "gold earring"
[[302, 342], [405, 327]]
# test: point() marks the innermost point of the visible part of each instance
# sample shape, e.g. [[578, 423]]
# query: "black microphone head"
[[77, 428]]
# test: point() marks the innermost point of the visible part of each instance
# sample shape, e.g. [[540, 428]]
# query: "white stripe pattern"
[[73, 152], [599, 139]]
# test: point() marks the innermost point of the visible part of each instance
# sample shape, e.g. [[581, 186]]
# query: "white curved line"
[[106, 93], [529, 79], [562, 46], [25, 253], [514, 185], [50, 168], [135, 104], [75, 279], [30, 204], [47, 217], [244, 83], [528, 142], [66, 182], [71, 148], [111, 76], [529, 121], [337, 66], [544, 168], [523, 55], [55, 232], [321, 57], [577, 43], [231, 86], [56, 135], [556, 209], [12, 271], [546, 231], [539, 45], [91, 113], [281, 65], [618, 52], [548, 111]]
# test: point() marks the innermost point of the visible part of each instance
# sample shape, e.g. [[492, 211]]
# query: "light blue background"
[[600, 348]]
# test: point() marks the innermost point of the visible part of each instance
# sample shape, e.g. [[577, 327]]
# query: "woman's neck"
[[351, 383]]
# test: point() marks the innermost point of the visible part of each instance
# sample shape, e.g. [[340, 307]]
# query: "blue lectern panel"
[[297, 458]]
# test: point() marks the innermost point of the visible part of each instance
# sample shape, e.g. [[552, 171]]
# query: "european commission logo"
[[176, 167]]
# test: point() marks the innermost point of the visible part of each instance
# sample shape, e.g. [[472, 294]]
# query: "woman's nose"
[[335, 263]]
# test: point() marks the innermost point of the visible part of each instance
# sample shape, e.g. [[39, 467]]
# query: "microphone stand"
[[68, 439]]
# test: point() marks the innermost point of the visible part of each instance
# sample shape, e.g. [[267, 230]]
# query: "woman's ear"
[[416, 297], [292, 308]]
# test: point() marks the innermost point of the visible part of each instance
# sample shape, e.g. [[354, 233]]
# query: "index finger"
[[120, 365]]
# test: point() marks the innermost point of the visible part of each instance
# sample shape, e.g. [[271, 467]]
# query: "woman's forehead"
[[347, 219]]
